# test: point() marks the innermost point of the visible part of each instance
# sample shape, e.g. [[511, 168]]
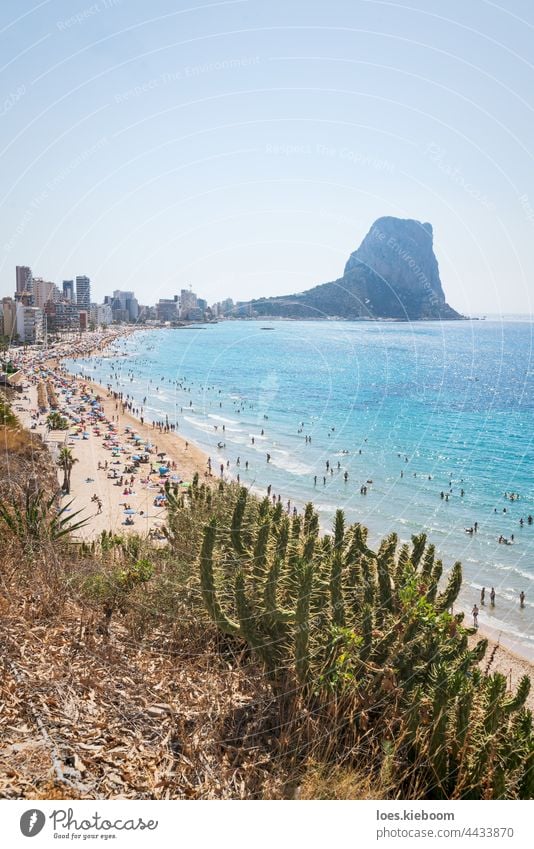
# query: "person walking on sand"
[[475, 616], [492, 596]]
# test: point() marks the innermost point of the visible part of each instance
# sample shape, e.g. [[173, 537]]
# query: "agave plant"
[[38, 519]]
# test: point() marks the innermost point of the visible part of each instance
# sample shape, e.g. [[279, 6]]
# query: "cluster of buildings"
[[40, 308]]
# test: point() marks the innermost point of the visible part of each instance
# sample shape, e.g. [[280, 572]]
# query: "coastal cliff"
[[394, 274]]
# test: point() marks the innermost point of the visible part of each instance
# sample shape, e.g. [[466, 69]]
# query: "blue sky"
[[245, 148]]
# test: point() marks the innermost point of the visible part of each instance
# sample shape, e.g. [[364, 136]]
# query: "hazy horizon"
[[246, 148]]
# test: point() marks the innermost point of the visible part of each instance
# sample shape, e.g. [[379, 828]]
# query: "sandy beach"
[[104, 445], [92, 474]]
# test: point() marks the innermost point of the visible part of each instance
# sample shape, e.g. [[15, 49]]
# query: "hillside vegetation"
[[248, 657]]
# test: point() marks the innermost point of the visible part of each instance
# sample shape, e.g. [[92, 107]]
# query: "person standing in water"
[[521, 599], [492, 596], [482, 595]]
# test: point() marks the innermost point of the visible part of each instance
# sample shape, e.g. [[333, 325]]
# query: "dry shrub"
[[322, 781]]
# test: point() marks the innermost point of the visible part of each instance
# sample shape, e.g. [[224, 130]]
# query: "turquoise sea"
[[418, 409]]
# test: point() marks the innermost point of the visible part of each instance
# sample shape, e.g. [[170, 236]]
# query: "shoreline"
[[509, 658], [94, 491]]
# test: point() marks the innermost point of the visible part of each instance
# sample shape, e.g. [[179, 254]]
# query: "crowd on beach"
[[121, 374], [338, 464], [119, 377], [134, 466], [129, 461]]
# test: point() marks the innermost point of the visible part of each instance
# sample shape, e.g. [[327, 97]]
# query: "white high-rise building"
[[29, 324], [104, 314], [83, 293], [188, 301]]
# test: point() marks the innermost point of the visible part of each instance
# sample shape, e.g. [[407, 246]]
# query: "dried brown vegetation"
[[117, 682]]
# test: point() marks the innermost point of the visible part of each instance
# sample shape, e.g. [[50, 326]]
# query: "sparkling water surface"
[[450, 406]]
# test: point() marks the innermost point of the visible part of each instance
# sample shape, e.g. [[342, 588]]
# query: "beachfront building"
[[147, 313], [29, 324], [188, 303], [24, 281], [127, 304], [68, 290], [44, 292], [101, 314], [83, 293], [195, 314], [243, 309], [61, 317], [8, 308], [167, 309], [222, 307]]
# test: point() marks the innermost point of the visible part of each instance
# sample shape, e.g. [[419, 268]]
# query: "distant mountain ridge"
[[394, 274]]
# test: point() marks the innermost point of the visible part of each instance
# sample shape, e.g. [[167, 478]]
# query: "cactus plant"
[[332, 618]]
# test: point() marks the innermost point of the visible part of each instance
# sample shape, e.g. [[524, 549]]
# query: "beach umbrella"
[[162, 453], [163, 470], [130, 512]]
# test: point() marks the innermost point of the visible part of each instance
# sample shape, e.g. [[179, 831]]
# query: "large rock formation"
[[393, 274]]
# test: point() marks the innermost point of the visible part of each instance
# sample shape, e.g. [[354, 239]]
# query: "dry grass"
[[122, 718], [137, 695], [322, 782], [22, 457]]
